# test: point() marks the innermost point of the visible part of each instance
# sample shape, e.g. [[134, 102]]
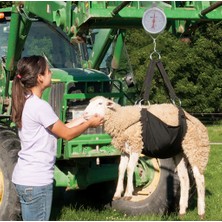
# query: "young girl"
[[38, 129]]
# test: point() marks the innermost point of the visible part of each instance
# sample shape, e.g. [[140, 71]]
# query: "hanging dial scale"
[[154, 20]]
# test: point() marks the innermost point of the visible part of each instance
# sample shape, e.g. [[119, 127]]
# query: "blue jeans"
[[36, 202]]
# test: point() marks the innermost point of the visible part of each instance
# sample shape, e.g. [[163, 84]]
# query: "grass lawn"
[[213, 196], [215, 133]]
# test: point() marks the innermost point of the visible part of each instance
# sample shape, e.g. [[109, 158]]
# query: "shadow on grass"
[[96, 197], [193, 201]]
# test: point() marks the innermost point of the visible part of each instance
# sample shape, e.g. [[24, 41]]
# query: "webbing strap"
[[166, 80], [149, 76], [148, 80]]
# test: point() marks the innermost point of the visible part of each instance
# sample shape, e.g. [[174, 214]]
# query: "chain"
[[154, 48]]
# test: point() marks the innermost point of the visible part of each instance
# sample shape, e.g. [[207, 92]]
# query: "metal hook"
[[139, 102], [151, 55], [174, 102], [22, 12]]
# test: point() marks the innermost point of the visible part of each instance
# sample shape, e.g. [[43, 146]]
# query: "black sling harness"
[[161, 140]]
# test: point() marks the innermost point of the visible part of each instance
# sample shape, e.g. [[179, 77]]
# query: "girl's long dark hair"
[[25, 78]]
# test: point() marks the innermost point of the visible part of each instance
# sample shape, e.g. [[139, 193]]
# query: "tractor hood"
[[77, 75]]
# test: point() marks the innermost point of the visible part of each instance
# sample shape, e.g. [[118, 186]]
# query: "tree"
[[4, 4], [194, 68]]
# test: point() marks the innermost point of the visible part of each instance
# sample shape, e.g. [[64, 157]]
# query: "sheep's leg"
[[130, 170], [184, 184], [200, 183], [124, 158]]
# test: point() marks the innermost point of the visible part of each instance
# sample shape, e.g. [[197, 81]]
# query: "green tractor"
[[78, 39]]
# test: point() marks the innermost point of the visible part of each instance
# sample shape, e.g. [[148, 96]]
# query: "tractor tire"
[[9, 202], [158, 197]]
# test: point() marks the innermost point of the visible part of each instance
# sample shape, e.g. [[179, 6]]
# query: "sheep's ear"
[[109, 104]]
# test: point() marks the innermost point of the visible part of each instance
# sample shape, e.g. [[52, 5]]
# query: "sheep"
[[123, 124]]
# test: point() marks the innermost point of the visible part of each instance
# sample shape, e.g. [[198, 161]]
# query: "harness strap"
[[161, 140], [166, 80], [148, 80], [149, 76]]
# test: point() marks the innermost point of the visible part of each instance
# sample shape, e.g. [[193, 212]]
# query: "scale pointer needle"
[[153, 21]]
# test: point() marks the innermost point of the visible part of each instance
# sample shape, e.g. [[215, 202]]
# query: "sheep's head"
[[98, 105]]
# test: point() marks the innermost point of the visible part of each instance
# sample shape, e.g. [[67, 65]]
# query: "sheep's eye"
[[100, 103]]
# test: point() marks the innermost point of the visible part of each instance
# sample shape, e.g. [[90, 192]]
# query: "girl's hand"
[[96, 120]]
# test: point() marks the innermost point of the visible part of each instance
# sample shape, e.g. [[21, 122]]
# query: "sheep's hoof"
[[202, 216], [116, 198], [127, 198], [181, 216]]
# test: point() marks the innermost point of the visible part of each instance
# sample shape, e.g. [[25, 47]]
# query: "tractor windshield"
[[4, 31], [47, 41]]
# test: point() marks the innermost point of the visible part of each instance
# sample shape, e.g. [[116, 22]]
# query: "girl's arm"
[[76, 122], [61, 130]]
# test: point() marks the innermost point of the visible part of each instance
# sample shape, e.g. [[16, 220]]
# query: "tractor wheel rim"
[[143, 193], [1, 186]]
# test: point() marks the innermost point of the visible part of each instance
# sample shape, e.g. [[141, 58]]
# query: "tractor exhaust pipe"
[[211, 8], [119, 7]]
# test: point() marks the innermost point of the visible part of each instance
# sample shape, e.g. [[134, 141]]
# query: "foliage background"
[[194, 67], [4, 4]]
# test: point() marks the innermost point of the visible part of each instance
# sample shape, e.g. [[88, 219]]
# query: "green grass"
[[215, 133], [213, 196]]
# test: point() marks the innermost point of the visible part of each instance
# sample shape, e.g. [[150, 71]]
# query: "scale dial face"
[[154, 20]]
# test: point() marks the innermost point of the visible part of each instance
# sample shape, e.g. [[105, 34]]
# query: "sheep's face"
[[97, 105]]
